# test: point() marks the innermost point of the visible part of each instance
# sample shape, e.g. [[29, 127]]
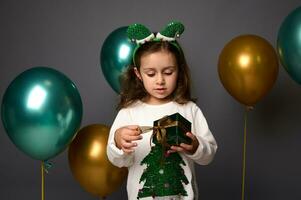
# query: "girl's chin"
[[156, 100]]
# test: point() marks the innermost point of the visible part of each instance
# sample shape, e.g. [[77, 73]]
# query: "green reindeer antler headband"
[[139, 34]]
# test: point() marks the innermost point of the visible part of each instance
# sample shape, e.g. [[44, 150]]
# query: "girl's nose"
[[160, 79]]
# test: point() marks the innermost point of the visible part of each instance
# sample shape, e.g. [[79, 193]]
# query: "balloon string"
[[244, 156], [43, 181]]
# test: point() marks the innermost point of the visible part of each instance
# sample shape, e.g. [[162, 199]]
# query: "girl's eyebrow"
[[170, 67], [165, 68]]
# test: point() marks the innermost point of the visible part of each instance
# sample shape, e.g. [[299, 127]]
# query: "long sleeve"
[[116, 156], [207, 144]]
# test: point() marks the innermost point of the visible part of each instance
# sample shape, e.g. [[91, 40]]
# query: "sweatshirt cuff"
[[118, 158], [116, 152]]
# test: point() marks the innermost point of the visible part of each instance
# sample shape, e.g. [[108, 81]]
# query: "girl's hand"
[[125, 136], [186, 148]]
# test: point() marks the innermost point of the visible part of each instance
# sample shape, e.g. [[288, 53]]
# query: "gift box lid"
[[183, 123]]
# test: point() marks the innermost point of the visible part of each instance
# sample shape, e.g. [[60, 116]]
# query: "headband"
[[139, 34]]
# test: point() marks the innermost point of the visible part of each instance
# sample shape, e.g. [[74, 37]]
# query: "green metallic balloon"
[[41, 112], [116, 56], [289, 44]]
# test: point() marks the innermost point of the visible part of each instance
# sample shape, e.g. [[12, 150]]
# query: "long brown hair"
[[132, 88]]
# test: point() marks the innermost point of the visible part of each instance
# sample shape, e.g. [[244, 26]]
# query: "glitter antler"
[[171, 31], [139, 33]]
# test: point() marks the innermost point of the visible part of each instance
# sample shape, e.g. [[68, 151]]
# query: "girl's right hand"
[[125, 137]]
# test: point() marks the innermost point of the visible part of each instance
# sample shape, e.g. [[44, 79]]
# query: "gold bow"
[[159, 131]]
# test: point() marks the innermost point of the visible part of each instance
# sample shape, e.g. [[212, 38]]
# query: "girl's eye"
[[168, 73], [150, 74]]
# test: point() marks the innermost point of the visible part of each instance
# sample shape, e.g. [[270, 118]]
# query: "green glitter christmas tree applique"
[[163, 175]]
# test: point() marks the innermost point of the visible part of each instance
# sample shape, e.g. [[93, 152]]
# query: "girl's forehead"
[[158, 59], [157, 52]]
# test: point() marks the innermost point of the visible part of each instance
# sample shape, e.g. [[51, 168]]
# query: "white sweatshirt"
[[143, 114]]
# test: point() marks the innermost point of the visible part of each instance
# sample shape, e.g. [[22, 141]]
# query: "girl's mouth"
[[160, 90]]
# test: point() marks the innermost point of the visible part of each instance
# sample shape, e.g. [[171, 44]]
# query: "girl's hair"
[[132, 88]]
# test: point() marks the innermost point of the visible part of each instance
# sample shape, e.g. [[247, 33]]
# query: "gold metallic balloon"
[[89, 163], [248, 68]]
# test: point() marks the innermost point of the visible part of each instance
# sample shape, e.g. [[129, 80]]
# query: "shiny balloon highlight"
[[289, 44], [89, 163], [116, 56], [41, 111], [248, 68]]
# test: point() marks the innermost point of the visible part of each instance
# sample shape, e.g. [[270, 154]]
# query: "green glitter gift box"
[[171, 130]]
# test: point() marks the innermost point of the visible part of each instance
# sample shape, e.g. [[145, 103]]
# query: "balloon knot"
[[47, 166], [249, 108]]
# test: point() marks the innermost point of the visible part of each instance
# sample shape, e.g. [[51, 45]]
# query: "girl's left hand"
[[186, 148]]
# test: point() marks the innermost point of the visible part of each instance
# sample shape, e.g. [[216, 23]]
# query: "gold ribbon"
[[159, 131], [43, 181], [244, 153]]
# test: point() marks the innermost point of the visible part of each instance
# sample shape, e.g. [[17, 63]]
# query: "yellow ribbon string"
[[244, 154], [43, 181]]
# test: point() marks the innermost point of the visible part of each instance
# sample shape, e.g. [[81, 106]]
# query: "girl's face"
[[158, 72]]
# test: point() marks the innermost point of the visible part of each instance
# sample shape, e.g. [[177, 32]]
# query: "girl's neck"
[[152, 101]]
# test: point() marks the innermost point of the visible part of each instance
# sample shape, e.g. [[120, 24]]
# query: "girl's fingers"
[[190, 135], [171, 151], [127, 151], [177, 148], [134, 132], [187, 147], [132, 127], [182, 148], [128, 145], [132, 138], [131, 135]]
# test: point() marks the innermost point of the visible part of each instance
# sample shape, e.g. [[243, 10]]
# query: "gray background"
[[68, 35]]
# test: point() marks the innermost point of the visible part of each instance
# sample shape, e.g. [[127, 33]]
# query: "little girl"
[[157, 85]]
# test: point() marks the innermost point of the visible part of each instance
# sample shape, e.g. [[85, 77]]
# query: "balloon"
[[41, 111], [248, 68], [116, 56], [89, 163], [289, 44]]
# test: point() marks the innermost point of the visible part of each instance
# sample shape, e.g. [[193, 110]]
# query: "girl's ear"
[[137, 73]]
